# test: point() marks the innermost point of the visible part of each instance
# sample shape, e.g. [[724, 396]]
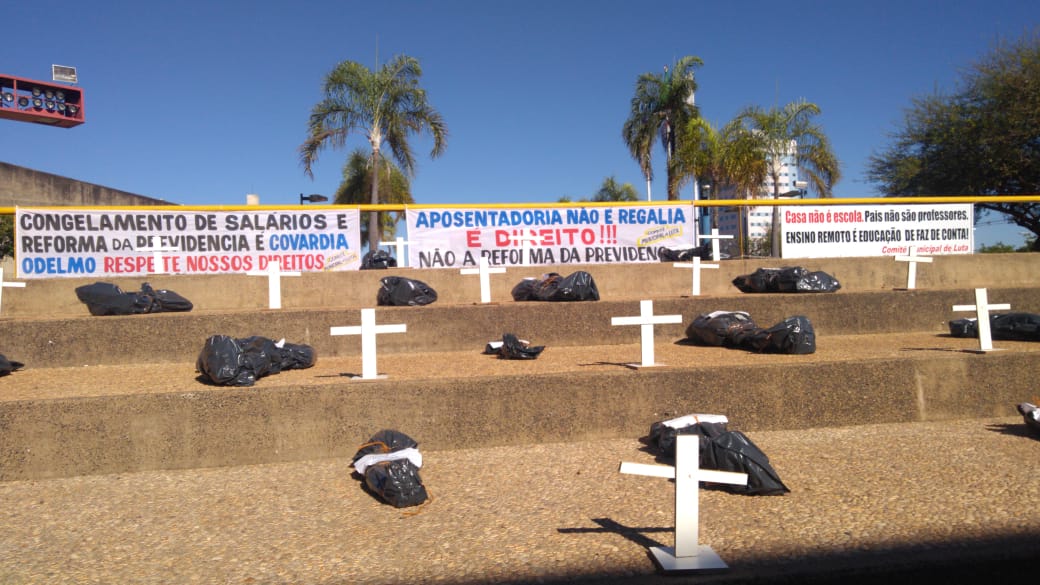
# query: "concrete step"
[[179, 337], [945, 501], [67, 421], [355, 289]]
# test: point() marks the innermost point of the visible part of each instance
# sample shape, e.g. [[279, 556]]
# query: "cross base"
[[362, 377], [706, 560], [981, 351], [641, 366]]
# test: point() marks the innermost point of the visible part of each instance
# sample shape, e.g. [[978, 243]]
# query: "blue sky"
[[202, 102]]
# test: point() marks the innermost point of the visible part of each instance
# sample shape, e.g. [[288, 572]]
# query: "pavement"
[[952, 500]]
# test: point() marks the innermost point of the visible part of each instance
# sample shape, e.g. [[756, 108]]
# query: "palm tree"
[[789, 134], [384, 105], [357, 185], [661, 107], [725, 159]]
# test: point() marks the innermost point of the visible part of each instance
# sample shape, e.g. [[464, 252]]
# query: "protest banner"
[[55, 243], [456, 237], [834, 231]]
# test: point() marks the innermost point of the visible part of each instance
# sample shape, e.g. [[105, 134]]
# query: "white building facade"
[[752, 223]]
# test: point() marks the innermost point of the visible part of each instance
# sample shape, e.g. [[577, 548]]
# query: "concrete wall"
[[24, 186], [353, 289]]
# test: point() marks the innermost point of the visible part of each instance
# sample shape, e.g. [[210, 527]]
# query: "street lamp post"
[[315, 198]]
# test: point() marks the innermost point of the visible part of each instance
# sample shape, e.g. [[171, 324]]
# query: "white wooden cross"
[[157, 252], [696, 266], [715, 237], [525, 241], [485, 271], [7, 285], [912, 258], [399, 243], [274, 276], [646, 321], [982, 309], [687, 555], [368, 331]]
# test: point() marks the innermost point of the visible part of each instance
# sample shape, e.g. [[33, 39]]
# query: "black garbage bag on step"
[[513, 348], [786, 279], [793, 335], [1031, 415], [554, 287], [378, 260], [724, 450], [7, 366], [103, 298], [721, 328], [686, 254], [397, 291], [390, 463], [1006, 326], [168, 300], [226, 361]]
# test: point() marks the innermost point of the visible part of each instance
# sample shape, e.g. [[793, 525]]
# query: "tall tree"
[[791, 134], [729, 160], [662, 105], [356, 188], [983, 139], [384, 105]]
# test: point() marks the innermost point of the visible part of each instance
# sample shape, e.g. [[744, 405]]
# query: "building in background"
[[750, 225]]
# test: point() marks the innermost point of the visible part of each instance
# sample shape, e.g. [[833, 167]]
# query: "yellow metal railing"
[[699, 203]]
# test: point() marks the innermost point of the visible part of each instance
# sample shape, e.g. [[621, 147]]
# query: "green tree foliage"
[[611, 190], [661, 107], [6, 236], [790, 133], [982, 139], [357, 186], [384, 105]]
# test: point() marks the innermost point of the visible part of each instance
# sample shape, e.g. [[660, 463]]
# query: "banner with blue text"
[[834, 231], [55, 243], [452, 237]]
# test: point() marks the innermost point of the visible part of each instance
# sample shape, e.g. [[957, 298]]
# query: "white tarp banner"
[[833, 231], [453, 238], [54, 243]]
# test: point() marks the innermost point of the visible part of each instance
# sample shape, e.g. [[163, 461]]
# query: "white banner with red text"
[[835, 231], [55, 243], [454, 237]]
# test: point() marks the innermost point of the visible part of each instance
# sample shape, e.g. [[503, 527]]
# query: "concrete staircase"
[[115, 394]]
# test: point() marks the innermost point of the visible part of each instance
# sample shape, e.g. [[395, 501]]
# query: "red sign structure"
[[41, 102]]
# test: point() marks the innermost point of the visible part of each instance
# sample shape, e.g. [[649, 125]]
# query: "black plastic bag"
[[721, 328], [1005, 326], [703, 252], [168, 300], [226, 361], [1031, 415], [397, 291], [513, 348], [553, 287], [103, 298], [723, 450], [7, 366], [378, 260], [793, 335], [390, 464], [786, 279]]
